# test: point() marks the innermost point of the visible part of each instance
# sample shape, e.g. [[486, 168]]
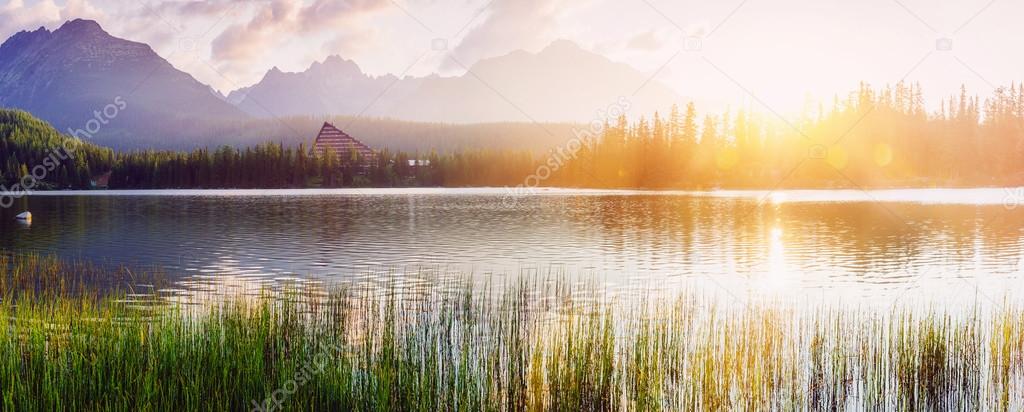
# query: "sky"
[[775, 54]]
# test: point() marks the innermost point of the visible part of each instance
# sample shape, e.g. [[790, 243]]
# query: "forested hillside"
[[27, 143], [873, 138], [378, 133], [30, 145]]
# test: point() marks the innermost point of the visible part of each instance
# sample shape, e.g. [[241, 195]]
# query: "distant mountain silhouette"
[[560, 83], [65, 76], [334, 87]]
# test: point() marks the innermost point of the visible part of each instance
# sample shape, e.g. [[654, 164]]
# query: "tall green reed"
[[537, 345]]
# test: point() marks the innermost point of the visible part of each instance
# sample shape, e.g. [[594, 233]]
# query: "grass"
[[527, 345]]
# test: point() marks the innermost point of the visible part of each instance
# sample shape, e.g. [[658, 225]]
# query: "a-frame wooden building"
[[343, 145]]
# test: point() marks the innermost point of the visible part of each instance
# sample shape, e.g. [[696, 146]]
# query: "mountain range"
[[68, 76], [562, 82]]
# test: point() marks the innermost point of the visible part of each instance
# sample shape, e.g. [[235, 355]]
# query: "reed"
[[456, 346]]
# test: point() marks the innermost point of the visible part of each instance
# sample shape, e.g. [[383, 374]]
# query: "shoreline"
[[533, 346], [1007, 196]]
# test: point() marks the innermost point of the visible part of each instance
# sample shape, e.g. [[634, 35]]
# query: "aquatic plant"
[[536, 345]]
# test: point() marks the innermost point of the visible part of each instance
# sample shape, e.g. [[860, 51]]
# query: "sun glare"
[[883, 154]]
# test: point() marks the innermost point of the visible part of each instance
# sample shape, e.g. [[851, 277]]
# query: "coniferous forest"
[[870, 138]]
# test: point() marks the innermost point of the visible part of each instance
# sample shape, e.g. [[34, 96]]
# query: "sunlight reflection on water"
[[953, 246]]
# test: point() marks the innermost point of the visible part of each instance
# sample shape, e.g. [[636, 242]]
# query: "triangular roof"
[[340, 142]]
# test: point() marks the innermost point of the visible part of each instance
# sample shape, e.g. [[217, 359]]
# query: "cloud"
[[15, 16], [648, 40], [80, 9], [200, 8], [351, 43], [283, 19], [324, 14], [511, 25]]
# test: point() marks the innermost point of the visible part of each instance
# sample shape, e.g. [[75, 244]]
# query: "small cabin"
[[100, 181]]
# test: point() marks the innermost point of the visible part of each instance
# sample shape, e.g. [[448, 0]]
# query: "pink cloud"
[[512, 25], [282, 19], [16, 16]]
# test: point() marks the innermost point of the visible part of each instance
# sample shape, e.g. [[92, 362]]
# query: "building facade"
[[343, 146]]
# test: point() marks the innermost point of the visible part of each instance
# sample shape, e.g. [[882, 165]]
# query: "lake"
[[945, 246]]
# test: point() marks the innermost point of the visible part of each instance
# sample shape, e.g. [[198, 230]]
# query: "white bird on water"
[[26, 216]]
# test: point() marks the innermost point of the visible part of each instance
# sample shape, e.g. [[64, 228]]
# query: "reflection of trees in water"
[[652, 233], [862, 237]]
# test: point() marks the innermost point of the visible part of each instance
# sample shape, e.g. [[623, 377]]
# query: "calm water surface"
[[939, 245]]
